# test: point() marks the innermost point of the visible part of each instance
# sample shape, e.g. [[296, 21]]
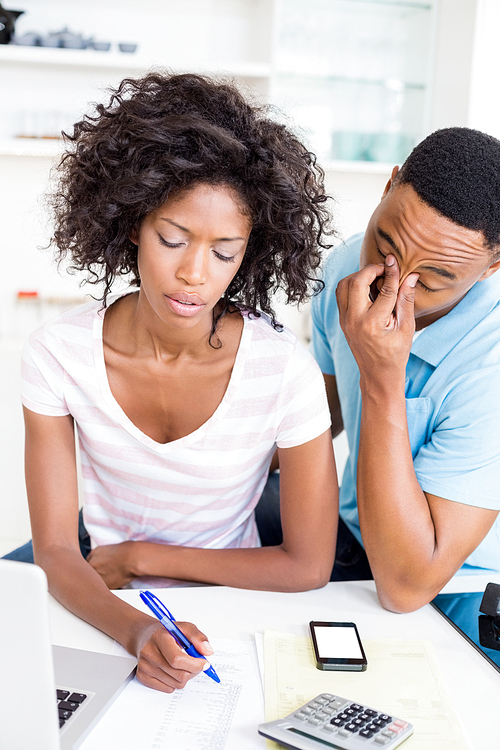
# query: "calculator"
[[329, 721]]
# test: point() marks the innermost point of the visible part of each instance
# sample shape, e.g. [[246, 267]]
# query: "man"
[[407, 333]]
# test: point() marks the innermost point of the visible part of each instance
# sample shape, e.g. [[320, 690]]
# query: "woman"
[[182, 390]]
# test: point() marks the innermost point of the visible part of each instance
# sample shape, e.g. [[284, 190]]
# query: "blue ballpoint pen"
[[168, 621]]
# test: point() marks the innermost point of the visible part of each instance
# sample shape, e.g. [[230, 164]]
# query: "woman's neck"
[[132, 327]]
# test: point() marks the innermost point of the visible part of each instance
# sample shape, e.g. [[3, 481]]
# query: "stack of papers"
[[402, 679]]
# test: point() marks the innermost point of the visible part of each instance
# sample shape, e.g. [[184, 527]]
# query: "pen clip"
[[165, 617], [147, 595]]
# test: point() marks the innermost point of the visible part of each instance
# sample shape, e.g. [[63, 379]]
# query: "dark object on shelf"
[[126, 47], [8, 20]]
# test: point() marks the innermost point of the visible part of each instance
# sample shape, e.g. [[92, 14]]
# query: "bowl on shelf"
[[101, 46], [127, 47], [29, 39]]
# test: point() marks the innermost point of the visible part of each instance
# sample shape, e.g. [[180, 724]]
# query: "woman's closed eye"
[[224, 258], [167, 243]]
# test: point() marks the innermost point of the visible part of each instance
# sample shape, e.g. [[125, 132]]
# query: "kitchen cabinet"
[[354, 75], [45, 90]]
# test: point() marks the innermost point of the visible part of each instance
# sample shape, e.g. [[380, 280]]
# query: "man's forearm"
[[395, 518]]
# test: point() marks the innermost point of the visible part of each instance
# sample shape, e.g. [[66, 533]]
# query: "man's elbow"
[[402, 599]]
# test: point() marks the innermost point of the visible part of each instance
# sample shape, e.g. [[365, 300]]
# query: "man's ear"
[[490, 270], [394, 172]]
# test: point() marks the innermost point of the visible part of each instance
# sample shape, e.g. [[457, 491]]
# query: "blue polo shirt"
[[452, 398]]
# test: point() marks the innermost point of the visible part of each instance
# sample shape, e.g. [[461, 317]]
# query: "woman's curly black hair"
[[161, 135]]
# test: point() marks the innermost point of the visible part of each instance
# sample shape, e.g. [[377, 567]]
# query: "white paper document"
[[403, 679], [204, 716]]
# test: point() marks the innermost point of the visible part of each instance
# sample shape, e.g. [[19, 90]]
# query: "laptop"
[[31, 670]]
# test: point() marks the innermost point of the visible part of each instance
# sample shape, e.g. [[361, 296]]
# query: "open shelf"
[[132, 62]]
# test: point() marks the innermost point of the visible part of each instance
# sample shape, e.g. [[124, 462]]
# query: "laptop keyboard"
[[68, 703]]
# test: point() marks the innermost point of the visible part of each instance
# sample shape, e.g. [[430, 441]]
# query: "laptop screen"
[[462, 611]]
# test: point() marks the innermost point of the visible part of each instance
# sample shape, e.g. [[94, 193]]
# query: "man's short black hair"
[[456, 171]]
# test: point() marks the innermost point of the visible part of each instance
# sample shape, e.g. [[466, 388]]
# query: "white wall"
[[459, 99], [484, 109]]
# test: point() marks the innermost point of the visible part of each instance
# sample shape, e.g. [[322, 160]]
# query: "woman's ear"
[[134, 235]]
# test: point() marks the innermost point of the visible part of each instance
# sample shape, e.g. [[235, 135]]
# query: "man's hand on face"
[[377, 318]]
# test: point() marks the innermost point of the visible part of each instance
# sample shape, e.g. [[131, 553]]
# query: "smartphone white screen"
[[337, 643]]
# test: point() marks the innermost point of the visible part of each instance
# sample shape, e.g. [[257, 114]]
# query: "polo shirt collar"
[[438, 339]]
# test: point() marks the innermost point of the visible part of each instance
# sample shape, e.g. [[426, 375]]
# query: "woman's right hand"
[[162, 664]]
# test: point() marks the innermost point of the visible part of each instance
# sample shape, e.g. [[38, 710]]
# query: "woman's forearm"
[[81, 590], [265, 568]]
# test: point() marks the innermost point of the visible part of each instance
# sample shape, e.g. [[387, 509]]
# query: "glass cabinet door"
[[353, 74]]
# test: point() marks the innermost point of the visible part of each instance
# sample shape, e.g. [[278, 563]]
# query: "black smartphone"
[[337, 646]]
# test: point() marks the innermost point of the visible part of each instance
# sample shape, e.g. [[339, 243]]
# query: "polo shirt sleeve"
[[461, 459], [323, 313]]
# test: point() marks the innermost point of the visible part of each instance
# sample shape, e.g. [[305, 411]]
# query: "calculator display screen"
[[338, 643], [315, 739]]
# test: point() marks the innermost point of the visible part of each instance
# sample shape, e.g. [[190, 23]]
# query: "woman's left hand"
[[113, 562]]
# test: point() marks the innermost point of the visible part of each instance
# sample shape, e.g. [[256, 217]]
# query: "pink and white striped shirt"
[[200, 490]]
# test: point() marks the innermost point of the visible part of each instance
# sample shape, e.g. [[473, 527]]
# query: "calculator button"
[[364, 716], [301, 716], [344, 715], [385, 718], [381, 740], [394, 727], [344, 733], [314, 704], [338, 702], [307, 710], [380, 723], [359, 722], [321, 715], [329, 728], [356, 707], [322, 701], [400, 723], [366, 733], [330, 710], [351, 727], [370, 712], [372, 727], [337, 722], [328, 696], [314, 721], [388, 733]]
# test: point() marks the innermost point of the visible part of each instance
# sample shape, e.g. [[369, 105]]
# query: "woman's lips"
[[184, 303]]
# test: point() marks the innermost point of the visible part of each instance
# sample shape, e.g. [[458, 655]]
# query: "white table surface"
[[473, 685]]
